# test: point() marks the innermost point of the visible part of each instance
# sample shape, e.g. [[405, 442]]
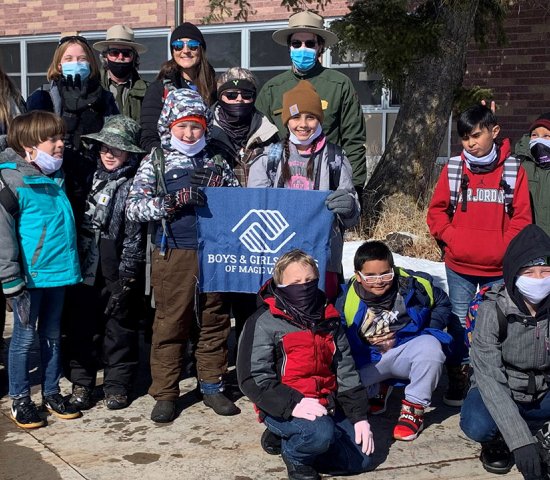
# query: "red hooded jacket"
[[475, 240]]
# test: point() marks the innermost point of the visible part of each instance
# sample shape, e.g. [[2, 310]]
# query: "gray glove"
[[21, 304], [341, 202]]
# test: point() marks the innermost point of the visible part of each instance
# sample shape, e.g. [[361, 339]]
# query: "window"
[[26, 59]]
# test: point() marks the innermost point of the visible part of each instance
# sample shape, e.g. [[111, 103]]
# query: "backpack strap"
[[335, 160], [274, 156], [502, 324], [454, 174], [508, 182], [7, 198]]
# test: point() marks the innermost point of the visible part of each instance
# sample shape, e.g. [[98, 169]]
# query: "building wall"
[[518, 72], [34, 17]]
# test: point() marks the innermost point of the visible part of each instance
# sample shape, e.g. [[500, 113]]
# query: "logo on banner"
[[264, 231]]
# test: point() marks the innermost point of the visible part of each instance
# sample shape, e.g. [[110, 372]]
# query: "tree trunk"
[[407, 165]]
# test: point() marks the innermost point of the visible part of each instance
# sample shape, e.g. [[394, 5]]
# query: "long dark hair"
[[9, 94], [205, 78]]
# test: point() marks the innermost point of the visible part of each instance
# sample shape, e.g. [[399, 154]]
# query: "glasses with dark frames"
[[232, 95], [70, 38], [115, 52], [307, 43], [115, 152], [192, 45]]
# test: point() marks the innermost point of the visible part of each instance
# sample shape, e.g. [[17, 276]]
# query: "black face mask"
[[302, 301], [120, 70], [237, 111], [541, 154]]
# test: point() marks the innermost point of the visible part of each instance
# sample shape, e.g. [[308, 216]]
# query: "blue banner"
[[243, 231]]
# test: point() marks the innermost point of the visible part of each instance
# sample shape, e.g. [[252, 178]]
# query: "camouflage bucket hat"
[[119, 131]]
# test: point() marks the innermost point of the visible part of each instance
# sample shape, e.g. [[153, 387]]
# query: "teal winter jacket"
[[38, 243]]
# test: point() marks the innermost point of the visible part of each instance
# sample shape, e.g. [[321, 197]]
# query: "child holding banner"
[[166, 189], [294, 362], [306, 160]]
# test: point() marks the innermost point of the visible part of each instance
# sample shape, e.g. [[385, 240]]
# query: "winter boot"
[[220, 404], [459, 382], [300, 471], [81, 397], [410, 423], [164, 411], [496, 457], [270, 442]]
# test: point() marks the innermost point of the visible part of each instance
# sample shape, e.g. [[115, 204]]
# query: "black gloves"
[[77, 95], [341, 202], [21, 303], [120, 295], [185, 197], [206, 177], [528, 461]]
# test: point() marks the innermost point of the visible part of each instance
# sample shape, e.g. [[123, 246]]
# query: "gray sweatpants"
[[420, 361]]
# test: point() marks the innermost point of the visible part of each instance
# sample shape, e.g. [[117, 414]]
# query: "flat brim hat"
[[120, 132], [307, 22], [120, 35]]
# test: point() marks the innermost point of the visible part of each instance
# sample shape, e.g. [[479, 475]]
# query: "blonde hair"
[[54, 72], [31, 128], [294, 256]]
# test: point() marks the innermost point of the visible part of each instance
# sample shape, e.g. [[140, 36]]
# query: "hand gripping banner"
[[243, 231]]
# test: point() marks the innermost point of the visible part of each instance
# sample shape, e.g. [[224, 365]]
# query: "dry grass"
[[401, 214]]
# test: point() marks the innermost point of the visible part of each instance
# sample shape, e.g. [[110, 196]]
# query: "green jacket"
[[132, 105], [344, 122], [539, 184]]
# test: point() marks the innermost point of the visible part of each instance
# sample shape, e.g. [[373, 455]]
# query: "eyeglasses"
[[115, 152], [307, 43], [192, 45], [233, 95], [70, 38], [371, 279], [125, 52]]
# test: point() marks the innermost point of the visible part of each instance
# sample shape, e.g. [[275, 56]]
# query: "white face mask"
[[480, 161], [45, 161], [294, 139], [535, 290], [188, 149]]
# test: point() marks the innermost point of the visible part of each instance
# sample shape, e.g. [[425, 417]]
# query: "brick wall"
[[518, 72], [55, 16]]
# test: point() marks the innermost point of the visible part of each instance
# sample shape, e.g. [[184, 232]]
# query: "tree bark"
[[407, 165]]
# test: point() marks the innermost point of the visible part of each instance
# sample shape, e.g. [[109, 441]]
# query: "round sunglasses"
[[307, 43]]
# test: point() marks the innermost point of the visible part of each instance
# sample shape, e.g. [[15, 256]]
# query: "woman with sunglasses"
[[188, 68], [389, 313], [75, 94]]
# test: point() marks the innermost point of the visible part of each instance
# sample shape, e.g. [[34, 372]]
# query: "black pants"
[[96, 341]]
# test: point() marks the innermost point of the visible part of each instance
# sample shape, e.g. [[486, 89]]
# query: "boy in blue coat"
[[388, 312], [38, 258]]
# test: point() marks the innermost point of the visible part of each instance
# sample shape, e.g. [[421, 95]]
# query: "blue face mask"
[[76, 68], [303, 58]]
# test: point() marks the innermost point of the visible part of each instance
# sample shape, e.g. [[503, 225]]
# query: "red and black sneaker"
[[379, 402], [410, 423]]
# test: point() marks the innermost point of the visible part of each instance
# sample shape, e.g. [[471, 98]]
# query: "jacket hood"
[[180, 103], [532, 242], [11, 156]]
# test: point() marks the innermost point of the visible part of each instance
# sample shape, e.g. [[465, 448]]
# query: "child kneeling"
[[388, 312], [294, 363]]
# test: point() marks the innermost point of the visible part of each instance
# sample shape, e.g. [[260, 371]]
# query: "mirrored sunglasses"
[[115, 152], [192, 45], [307, 43], [233, 95], [370, 279], [125, 52]]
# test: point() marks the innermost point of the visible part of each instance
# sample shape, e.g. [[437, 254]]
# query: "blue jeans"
[[462, 289], [326, 443], [476, 421], [46, 308]]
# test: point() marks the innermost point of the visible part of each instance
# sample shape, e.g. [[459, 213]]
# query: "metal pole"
[[178, 12]]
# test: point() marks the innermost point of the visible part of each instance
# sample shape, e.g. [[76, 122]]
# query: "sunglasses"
[[125, 52], [232, 95], [70, 38], [372, 279], [115, 152], [192, 45], [307, 43]]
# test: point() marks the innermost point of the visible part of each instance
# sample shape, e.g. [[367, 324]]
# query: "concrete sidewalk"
[[126, 445]]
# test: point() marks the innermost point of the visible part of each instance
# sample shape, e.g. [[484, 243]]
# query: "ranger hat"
[[308, 22], [120, 35], [119, 131]]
